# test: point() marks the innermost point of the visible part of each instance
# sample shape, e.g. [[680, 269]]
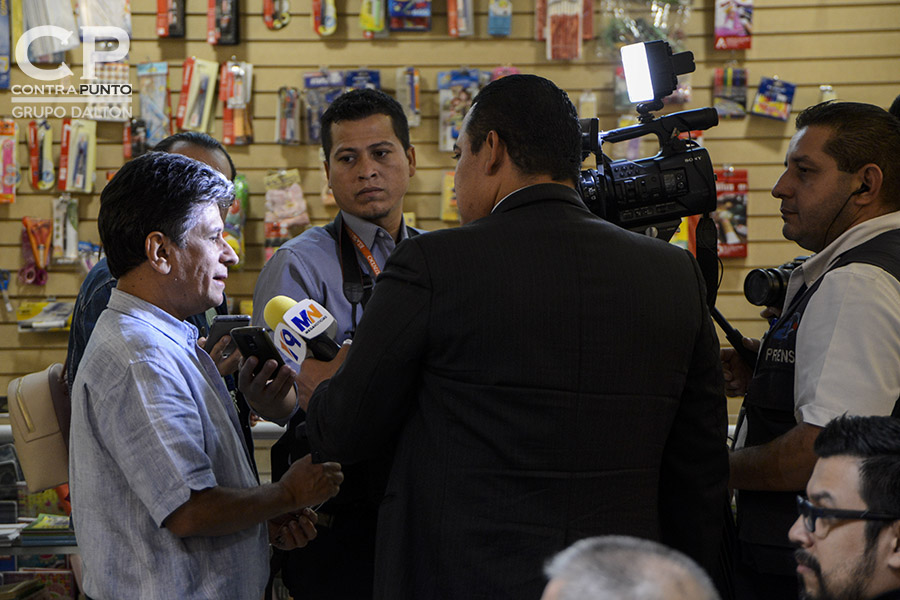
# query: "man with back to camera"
[[836, 346], [165, 502], [545, 375], [369, 161], [616, 567], [848, 531]]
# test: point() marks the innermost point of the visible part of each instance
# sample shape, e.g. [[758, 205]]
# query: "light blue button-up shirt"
[[308, 266], [151, 421]]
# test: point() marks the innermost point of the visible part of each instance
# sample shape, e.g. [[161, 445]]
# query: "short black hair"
[[860, 134], [536, 120], [895, 107], [196, 138], [356, 105], [876, 441], [157, 191]]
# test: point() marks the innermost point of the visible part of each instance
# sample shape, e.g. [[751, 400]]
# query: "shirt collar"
[[856, 235], [539, 191], [819, 263], [366, 230], [181, 332]]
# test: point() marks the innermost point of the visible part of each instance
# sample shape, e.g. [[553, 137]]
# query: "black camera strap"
[[357, 283], [708, 256]]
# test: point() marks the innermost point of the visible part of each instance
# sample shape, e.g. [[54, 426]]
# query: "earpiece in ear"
[[862, 189]]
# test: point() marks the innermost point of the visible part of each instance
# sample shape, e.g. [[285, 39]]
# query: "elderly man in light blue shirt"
[[165, 503]]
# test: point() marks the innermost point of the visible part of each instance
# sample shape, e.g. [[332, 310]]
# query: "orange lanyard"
[[367, 254]]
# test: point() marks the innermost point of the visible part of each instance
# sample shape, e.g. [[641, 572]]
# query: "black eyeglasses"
[[811, 513]]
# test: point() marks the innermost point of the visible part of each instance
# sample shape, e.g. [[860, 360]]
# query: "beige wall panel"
[[849, 44]]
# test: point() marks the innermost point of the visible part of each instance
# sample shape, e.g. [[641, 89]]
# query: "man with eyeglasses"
[[848, 531]]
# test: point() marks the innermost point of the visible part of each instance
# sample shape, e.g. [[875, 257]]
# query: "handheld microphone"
[[307, 320]]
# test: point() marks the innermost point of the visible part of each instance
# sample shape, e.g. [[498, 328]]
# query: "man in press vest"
[[835, 349]]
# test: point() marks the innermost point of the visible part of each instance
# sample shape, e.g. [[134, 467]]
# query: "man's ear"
[[870, 188], [411, 157], [893, 558], [157, 248], [496, 152], [327, 172]]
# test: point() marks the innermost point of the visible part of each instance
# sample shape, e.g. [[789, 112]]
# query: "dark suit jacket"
[[546, 377]]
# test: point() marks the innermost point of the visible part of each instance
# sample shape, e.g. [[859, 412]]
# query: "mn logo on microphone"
[[306, 318]]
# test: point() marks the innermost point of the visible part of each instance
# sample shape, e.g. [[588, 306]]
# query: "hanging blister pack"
[[195, 104], [155, 103], [285, 208], [773, 99], [408, 94], [456, 90], [40, 154], [733, 24], [236, 220], [5, 49], [111, 93], [134, 142], [730, 92], [362, 79], [276, 13], [324, 16], [9, 164], [371, 17], [104, 13], [78, 156], [500, 18], [35, 250], [170, 18], [222, 19], [564, 23], [460, 18], [234, 91], [320, 89], [64, 250], [287, 118], [409, 15]]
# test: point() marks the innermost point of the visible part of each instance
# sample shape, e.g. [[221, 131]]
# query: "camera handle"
[[735, 338], [708, 260]]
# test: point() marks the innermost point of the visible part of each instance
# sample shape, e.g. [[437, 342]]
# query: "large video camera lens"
[[767, 287]]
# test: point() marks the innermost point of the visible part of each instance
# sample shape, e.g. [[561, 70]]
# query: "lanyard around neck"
[[367, 254]]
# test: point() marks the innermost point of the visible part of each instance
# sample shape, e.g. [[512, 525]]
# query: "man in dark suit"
[[544, 375]]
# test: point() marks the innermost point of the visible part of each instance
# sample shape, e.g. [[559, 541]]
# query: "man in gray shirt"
[[369, 161]]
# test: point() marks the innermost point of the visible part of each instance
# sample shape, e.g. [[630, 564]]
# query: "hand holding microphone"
[[305, 326]]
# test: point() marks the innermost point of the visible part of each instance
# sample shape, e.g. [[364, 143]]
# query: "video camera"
[[650, 195]]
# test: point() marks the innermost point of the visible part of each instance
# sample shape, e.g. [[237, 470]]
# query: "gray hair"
[[627, 568]]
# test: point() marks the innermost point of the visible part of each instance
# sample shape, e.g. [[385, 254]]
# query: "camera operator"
[[544, 375], [835, 349]]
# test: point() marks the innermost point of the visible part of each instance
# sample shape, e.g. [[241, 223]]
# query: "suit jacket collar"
[[541, 192]]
